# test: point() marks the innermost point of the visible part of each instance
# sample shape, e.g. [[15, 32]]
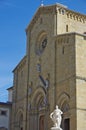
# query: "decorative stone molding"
[[63, 97], [37, 94], [81, 78], [57, 8], [72, 15], [75, 16], [18, 111], [62, 11], [63, 40]]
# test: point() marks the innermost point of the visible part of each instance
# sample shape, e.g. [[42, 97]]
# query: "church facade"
[[52, 72]]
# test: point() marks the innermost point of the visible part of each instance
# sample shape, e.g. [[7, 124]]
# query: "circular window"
[[41, 45]]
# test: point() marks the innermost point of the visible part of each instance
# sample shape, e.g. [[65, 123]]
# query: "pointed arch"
[[19, 118], [63, 99], [38, 107], [63, 102], [38, 97]]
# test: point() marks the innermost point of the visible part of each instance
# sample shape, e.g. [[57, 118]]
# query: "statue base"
[[56, 128]]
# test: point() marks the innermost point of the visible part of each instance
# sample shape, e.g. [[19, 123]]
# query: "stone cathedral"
[[52, 72]]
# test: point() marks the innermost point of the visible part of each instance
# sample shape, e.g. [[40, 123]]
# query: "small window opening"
[[63, 12], [63, 50], [3, 113], [85, 33], [66, 28]]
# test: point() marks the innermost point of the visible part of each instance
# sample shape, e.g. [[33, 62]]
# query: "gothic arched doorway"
[[41, 110], [38, 111], [63, 102]]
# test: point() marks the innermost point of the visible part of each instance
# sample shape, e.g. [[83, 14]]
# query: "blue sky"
[[15, 15]]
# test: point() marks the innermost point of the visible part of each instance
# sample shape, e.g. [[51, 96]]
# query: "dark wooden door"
[[21, 128], [41, 123], [67, 124]]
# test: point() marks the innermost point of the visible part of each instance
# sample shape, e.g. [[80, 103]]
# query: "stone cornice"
[[76, 15], [65, 39], [57, 8], [81, 78], [44, 10], [81, 109], [72, 14], [69, 33]]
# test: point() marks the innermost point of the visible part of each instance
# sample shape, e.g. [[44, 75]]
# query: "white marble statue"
[[56, 117]]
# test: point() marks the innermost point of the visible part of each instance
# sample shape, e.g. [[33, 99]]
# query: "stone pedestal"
[[56, 128]]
